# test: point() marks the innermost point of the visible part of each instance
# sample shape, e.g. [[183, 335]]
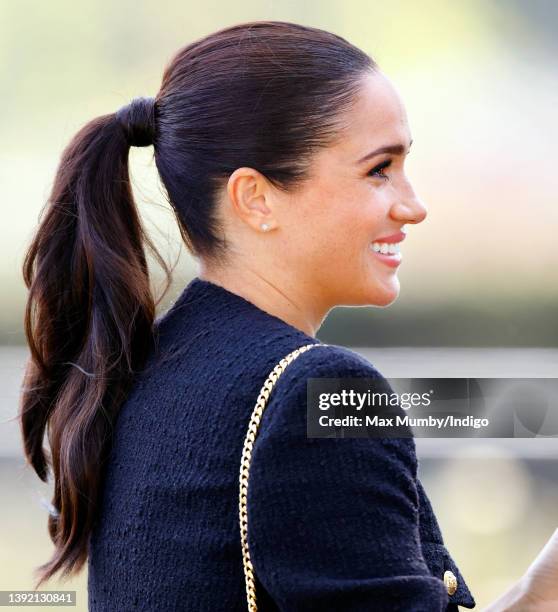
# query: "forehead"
[[378, 118]]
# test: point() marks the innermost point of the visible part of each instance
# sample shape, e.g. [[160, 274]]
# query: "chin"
[[370, 293], [384, 296], [385, 302]]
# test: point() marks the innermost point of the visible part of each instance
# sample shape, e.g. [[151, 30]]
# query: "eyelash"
[[377, 170]]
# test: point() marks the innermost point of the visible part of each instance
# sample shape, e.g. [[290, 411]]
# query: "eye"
[[377, 171]]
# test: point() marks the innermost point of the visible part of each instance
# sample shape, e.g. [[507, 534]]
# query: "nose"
[[409, 209]]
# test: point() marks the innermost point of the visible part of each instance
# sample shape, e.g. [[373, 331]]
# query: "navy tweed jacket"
[[335, 524]]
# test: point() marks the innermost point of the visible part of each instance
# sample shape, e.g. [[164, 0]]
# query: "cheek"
[[341, 245], [338, 223], [359, 221]]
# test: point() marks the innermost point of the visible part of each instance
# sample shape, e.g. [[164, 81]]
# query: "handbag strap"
[[245, 466]]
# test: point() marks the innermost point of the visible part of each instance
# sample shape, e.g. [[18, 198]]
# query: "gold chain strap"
[[245, 467]]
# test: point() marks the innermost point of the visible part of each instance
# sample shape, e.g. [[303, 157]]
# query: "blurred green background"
[[479, 290]]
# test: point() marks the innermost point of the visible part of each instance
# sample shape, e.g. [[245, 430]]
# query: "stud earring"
[[264, 227]]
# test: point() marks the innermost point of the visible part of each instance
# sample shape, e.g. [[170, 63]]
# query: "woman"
[[282, 150]]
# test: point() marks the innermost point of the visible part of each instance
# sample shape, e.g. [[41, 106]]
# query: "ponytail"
[[88, 321]]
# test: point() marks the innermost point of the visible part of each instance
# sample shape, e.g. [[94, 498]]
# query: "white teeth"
[[385, 248]]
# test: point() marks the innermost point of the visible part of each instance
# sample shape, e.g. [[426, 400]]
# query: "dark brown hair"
[[266, 95]]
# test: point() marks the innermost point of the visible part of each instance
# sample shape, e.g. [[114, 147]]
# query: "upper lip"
[[399, 237]]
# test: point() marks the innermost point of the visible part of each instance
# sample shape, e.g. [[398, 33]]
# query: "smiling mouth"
[[385, 248]]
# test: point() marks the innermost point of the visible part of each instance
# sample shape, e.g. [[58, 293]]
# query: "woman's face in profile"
[[334, 227], [328, 240]]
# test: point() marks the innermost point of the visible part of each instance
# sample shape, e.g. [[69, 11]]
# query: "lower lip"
[[390, 260]]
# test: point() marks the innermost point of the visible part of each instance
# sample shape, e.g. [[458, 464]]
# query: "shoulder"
[[285, 416], [328, 360], [321, 361], [339, 358]]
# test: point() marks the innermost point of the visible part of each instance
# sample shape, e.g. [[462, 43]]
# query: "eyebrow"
[[395, 149]]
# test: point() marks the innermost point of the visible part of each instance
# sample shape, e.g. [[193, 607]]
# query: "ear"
[[250, 198]]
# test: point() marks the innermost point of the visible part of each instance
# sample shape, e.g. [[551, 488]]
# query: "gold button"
[[450, 581]]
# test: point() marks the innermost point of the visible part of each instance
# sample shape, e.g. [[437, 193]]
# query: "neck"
[[291, 306]]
